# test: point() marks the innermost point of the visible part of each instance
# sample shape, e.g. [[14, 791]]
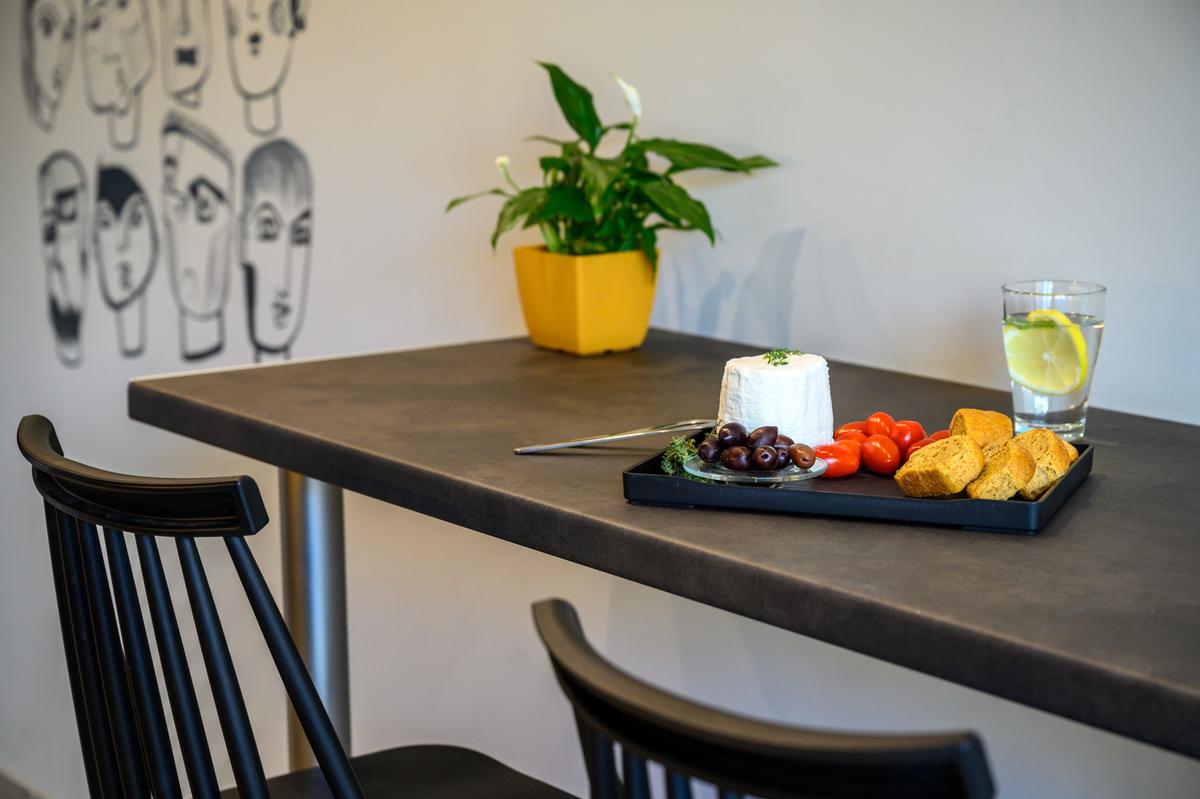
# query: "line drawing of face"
[[276, 244], [118, 56], [197, 217], [125, 243], [260, 34], [48, 29], [186, 49], [62, 198]]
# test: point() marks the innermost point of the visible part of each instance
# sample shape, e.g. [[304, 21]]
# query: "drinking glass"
[[1052, 332]]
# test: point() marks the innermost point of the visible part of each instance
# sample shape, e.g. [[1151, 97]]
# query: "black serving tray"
[[862, 496]]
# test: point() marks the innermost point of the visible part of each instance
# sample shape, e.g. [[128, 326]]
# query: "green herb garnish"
[[779, 357], [679, 450]]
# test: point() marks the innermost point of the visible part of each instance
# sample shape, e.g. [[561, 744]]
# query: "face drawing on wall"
[[276, 244], [62, 197], [118, 55], [196, 194], [125, 243], [186, 49], [47, 50], [260, 34]]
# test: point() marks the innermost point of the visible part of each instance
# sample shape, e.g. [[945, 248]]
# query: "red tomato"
[[939, 435], [906, 433], [924, 442], [850, 427], [880, 423], [840, 459], [881, 455], [854, 442], [850, 435]]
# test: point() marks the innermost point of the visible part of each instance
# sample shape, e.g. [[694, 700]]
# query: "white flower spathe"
[[502, 162], [632, 98]]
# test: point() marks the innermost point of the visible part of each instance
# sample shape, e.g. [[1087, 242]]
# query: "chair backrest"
[[127, 747], [740, 755]]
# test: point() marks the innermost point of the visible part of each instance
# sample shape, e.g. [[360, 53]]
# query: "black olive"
[[802, 455], [763, 436], [764, 459], [709, 450], [731, 435], [784, 457], [736, 458], [783, 440]]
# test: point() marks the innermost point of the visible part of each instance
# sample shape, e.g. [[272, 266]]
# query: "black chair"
[[127, 749], [742, 756]]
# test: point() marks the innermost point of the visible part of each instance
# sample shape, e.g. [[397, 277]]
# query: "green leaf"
[[677, 206], [598, 174], [523, 204], [566, 201], [457, 201], [757, 162], [649, 244], [576, 104], [548, 140], [553, 162], [687, 155]]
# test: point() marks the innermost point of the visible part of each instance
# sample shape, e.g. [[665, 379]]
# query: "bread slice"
[[984, 427], [1007, 469], [1050, 455], [943, 467]]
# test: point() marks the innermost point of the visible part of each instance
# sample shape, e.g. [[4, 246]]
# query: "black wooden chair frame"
[[122, 726], [742, 756]]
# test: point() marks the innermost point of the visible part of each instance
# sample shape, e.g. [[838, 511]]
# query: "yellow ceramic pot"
[[585, 304]]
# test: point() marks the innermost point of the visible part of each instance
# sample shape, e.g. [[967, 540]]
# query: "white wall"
[[930, 152]]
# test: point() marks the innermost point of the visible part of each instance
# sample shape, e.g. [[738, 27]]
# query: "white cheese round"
[[793, 397]]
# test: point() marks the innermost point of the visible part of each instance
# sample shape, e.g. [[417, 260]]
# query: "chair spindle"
[[636, 780]]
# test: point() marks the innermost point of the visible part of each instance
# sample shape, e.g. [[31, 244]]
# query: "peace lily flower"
[[502, 165], [632, 98]]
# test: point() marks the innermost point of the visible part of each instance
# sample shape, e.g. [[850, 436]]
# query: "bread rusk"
[[1050, 455], [984, 427], [1007, 469], [943, 467]]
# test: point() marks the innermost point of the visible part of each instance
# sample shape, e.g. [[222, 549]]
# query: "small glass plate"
[[716, 471]]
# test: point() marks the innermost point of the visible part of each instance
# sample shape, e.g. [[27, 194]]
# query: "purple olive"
[[762, 437], [802, 455], [763, 459], [784, 457], [785, 441], [709, 450], [731, 435], [736, 458]]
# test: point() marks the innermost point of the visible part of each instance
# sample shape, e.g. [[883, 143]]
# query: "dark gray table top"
[[1096, 619]]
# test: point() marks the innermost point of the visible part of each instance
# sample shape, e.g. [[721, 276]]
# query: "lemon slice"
[[1049, 356]]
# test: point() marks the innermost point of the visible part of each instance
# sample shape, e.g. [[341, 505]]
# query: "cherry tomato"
[[840, 459], [916, 445], [939, 435], [906, 433], [850, 427], [850, 435], [880, 423], [854, 442], [881, 455]]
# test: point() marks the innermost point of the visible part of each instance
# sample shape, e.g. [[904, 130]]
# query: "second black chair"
[[743, 756], [127, 748]]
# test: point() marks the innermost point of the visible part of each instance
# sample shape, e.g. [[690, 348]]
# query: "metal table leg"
[[314, 599]]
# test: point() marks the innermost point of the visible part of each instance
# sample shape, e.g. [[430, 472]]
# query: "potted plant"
[[590, 289]]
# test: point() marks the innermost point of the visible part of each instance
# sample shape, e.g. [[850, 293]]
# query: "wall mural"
[[276, 245], [62, 198], [47, 51], [118, 57], [125, 243], [117, 228], [197, 193], [186, 49], [260, 36]]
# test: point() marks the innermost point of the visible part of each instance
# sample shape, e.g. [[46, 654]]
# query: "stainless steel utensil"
[[675, 427]]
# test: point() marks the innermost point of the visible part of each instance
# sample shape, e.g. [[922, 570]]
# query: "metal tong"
[[675, 427]]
